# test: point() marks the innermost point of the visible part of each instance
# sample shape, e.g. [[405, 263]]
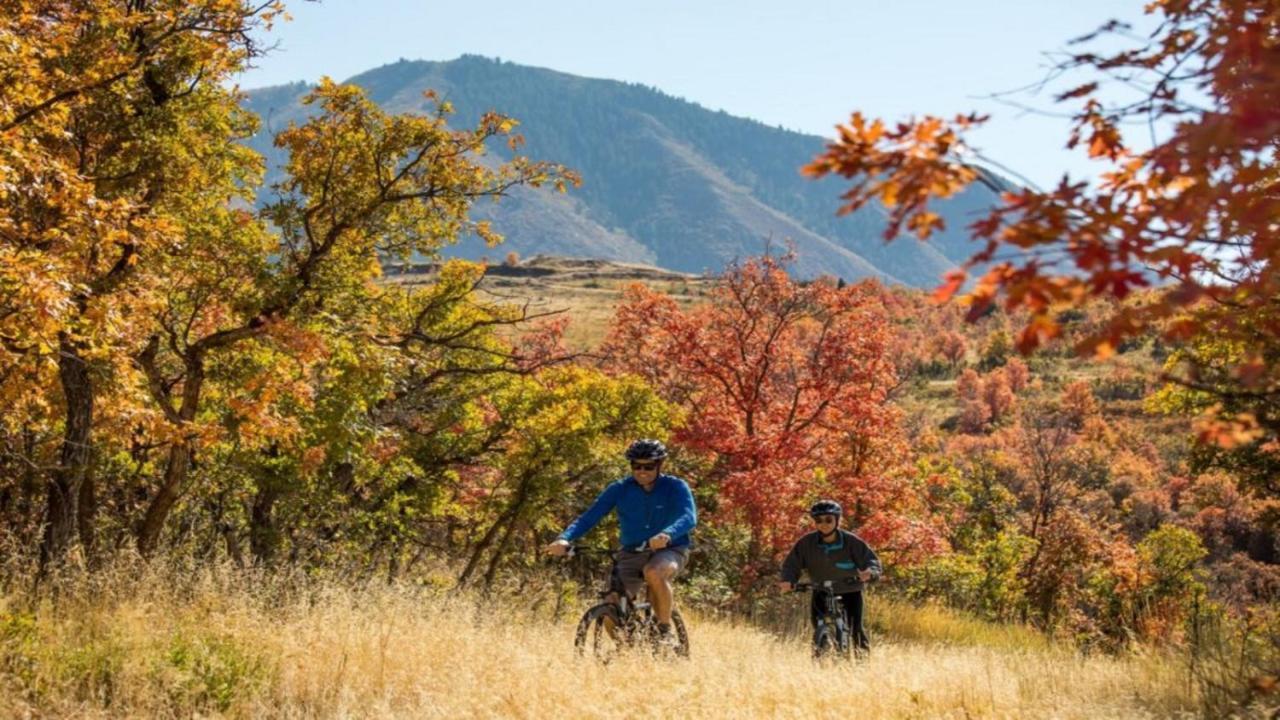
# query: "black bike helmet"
[[647, 449], [826, 507]]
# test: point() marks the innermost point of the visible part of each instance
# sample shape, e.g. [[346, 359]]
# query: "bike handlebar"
[[814, 587], [574, 549], [808, 586]]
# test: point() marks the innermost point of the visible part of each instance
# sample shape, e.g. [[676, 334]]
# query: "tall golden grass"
[[137, 641]]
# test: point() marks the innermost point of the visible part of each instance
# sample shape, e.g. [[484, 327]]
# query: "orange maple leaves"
[[1195, 215], [903, 167]]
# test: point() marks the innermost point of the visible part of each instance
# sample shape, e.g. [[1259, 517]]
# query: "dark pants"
[[629, 569], [852, 604]]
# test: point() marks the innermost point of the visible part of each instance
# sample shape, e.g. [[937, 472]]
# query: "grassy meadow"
[[134, 641], [586, 291]]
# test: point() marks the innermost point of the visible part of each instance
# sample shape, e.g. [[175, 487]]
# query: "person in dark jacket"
[[830, 553], [656, 512]]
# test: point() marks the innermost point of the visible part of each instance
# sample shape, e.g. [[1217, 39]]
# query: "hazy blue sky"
[[803, 64]]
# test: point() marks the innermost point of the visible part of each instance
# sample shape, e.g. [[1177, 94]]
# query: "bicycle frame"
[[627, 621], [832, 632], [626, 603]]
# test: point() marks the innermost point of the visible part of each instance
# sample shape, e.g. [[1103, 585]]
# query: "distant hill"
[[666, 181]]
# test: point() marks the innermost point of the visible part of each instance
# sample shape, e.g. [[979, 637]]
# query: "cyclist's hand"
[[557, 548], [784, 586], [865, 575], [659, 541]]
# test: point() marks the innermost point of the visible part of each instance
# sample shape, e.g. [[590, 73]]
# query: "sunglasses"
[[644, 466]]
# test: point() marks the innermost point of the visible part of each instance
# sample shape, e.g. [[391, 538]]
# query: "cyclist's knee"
[[655, 572]]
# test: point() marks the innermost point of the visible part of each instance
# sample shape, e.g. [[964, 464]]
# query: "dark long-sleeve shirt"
[[667, 508], [838, 562]]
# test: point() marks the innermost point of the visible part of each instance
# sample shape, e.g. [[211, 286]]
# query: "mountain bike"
[[613, 627], [831, 637]]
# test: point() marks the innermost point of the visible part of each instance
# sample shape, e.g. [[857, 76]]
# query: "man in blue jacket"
[[656, 513]]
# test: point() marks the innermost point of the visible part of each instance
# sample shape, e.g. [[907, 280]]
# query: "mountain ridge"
[[666, 181]]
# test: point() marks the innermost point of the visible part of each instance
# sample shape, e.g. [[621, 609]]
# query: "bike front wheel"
[[600, 631], [679, 647], [843, 644], [682, 634], [830, 639]]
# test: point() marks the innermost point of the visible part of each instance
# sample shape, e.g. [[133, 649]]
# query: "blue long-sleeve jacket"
[[667, 508]]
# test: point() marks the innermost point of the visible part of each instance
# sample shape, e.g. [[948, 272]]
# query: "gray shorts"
[[631, 565]]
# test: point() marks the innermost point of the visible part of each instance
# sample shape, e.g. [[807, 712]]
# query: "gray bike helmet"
[[826, 507], [647, 449]]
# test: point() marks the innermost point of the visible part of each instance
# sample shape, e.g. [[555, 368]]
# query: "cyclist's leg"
[[853, 606], [816, 608], [659, 572], [630, 572], [616, 586]]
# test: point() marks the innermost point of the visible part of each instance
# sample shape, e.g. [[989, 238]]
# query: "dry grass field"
[[585, 291], [132, 642]]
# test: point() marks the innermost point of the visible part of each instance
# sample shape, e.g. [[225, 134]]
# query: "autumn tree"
[[1018, 374], [360, 185], [996, 349], [1043, 440], [785, 388], [952, 347], [1193, 216], [1078, 403], [997, 394], [351, 424], [975, 412], [110, 112], [969, 385], [569, 426]]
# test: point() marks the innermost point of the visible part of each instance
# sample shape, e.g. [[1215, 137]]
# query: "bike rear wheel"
[[654, 641]]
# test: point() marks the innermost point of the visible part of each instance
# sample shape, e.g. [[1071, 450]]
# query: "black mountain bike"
[[612, 628], [831, 637]]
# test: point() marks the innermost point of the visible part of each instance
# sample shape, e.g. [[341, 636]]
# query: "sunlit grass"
[[933, 624], [145, 643]]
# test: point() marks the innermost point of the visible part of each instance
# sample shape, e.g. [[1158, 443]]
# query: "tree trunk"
[[264, 538], [480, 547], [87, 513], [496, 558], [232, 543], [179, 462], [175, 472], [507, 517], [62, 516]]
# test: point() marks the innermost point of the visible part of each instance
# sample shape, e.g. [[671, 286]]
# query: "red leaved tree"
[[785, 388], [1195, 215]]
